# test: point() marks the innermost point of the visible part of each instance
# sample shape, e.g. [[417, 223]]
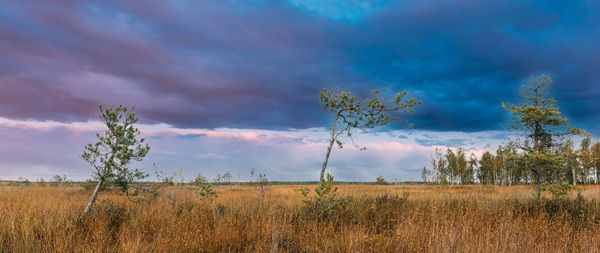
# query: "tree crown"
[[114, 151], [539, 117], [352, 113]]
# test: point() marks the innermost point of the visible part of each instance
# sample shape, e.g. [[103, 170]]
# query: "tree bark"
[[327, 155], [331, 141], [93, 198], [572, 169]]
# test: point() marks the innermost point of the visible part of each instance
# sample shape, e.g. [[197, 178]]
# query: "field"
[[377, 218]]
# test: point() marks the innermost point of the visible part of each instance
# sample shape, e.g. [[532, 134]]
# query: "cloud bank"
[[282, 155], [261, 64], [231, 85]]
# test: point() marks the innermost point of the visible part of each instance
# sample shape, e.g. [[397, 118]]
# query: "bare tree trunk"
[[572, 170], [331, 141], [327, 156], [93, 199]]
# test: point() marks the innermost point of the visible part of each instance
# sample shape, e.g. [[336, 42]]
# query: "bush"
[[560, 190], [200, 180], [207, 191], [380, 180], [325, 203]]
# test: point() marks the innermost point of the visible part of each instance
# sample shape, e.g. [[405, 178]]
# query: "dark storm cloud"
[[261, 64]]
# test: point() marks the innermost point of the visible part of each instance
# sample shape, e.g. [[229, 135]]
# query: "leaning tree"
[[542, 124], [113, 154], [351, 113]]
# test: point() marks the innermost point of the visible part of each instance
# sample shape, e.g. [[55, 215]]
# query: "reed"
[[380, 218]]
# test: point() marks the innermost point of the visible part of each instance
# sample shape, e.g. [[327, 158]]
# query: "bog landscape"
[[299, 126]]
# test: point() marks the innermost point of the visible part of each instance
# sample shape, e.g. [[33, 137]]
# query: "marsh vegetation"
[[373, 218]]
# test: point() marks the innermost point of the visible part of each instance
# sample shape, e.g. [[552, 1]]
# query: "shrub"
[[560, 190], [380, 180], [207, 191], [325, 203]]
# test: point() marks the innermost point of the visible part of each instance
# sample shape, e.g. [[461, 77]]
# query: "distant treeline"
[[509, 166]]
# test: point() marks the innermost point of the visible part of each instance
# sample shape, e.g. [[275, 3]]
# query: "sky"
[[226, 86]]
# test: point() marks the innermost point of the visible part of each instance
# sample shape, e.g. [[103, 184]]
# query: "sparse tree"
[[200, 179], [585, 158], [380, 180], [486, 168], [218, 179], [207, 191], [541, 122], [472, 168], [595, 159], [452, 162], [59, 180], [571, 164], [512, 170], [24, 181], [262, 182], [464, 173], [113, 154], [350, 114], [251, 175], [227, 177], [440, 166], [424, 175]]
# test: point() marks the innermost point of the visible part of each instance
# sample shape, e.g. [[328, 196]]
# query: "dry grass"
[[405, 218]]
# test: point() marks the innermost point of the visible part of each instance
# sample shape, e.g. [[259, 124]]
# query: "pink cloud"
[[283, 155]]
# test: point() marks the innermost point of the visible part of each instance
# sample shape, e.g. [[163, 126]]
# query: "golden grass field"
[[390, 218]]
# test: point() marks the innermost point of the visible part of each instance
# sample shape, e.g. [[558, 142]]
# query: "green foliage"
[[453, 166], [325, 202], [41, 182], [114, 152], [168, 180], [486, 168], [439, 164], [595, 157], [24, 181], [59, 180], [541, 122], [351, 113], [354, 114], [380, 180], [425, 175], [200, 180], [558, 190], [539, 116], [207, 191], [227, 177]]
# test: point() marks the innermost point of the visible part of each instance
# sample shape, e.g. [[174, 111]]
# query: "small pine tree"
[[541, 122], [112, 155], [350, 114]]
